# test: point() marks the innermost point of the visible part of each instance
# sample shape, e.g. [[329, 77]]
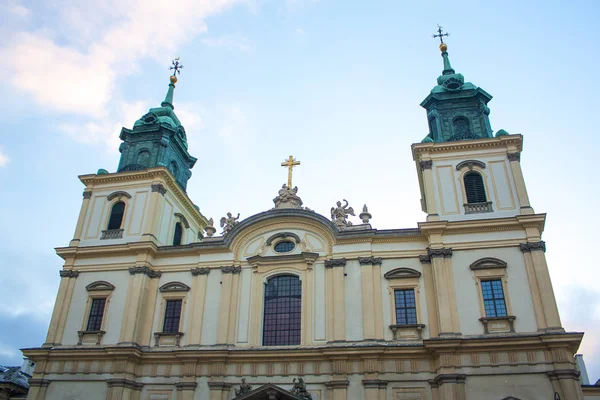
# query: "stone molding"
[[533, 246], [470, 164], [97, 334], [563, 374], [118, 194], [374, 383], [399, 273], [183, 219], [220, 385], [146, 271], [158, 335], [416, 327], [439, 253], [307, 257], [158, 187], [186, 386], [68, 273], [343, 384], [447, 378], [370, 260], [125, 383], [87, 194], [514, 157], [427, 164], [488, 263], [174, 287], [39, 382], [486, 320], [283, 235], [99, 285], [231, 269], [425, 259], [335, 262], [112, 234], [200, 271]]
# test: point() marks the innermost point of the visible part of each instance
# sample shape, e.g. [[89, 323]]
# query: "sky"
[[337, 84]]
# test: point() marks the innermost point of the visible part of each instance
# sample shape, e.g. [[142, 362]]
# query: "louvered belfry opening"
[[116, 216], [474, 188]]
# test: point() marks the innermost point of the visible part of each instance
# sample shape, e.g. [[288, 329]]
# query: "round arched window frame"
[[284, 246]]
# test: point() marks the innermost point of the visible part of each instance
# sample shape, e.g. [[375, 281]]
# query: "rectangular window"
[[406, 307], [493, 298], [96, 314], [172, 316]]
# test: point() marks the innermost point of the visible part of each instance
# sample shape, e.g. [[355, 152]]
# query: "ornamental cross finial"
[[440, 35], [177, 66], [290, 163]]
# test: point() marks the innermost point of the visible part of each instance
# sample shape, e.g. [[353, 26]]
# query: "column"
[[151, 225], [61, 307], [372, 307], [199, 282], [186, 390], [541, 286], [336, 307], [375, 389], [123, 389], [139, 305], [338, 389], [228, 304], [567, 383], [87, 195], [430, 204], [449, 387], [37, 389], [515, 166], [430, 295], [445, 292], [219, 390]]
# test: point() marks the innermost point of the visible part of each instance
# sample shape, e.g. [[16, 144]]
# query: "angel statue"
[[299, 389], [228, 223], [339, 214], [244, 388]]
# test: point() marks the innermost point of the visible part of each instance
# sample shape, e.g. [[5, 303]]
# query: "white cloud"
[[19, 10], [299, 31], [240, 43], [3, 158]]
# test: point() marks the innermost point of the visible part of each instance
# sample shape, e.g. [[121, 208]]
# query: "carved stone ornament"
[[200, 271], [339, 214], [488, 263], [514, 157], [399, 273], [365, 216], [210, 228], [425, 259], [470, 164], [157, 187], [227, 223], [99, 285], [443, 252], [370, 260], [68, 273], [533, 246], [87, 194], [174, 287], [118, 194], [231, 269], [288, 198], [427, 164], [146, 271], [299, 389], [244, 388], [283, 235], [335, 262]]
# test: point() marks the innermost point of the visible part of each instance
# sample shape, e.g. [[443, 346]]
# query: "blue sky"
[[335, 83]]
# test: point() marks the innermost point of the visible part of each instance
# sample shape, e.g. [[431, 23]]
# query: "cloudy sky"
[[335, 83]]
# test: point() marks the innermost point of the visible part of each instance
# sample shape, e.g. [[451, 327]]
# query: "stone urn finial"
[[365, 215], [210, 228]]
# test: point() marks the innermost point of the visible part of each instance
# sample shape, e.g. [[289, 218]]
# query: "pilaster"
[[445, 292], [515, 166], [449, 387], [61, 307], [430, 204], [37, 389], [199, 282], [219, 390], [566, 383], [338, 389], [123, 389], [336, 300], [87, 195], [230, 277], [432, 302], [375, 389], [372, 307], [186, 390], [151, 225]]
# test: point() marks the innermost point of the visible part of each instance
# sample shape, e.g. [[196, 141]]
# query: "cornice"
[[513, 141]]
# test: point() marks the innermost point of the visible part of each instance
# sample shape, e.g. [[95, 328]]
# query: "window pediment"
[[488, 263], [99, 285], [119, 194], [400, 273], [174, 287], [183, 219], [306, 257], [470, 164], [283, 235]]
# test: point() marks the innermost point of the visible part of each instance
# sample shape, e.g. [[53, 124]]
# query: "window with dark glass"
[[116, 216], [172, 316], [474, 188], [178, 234], [96, 314], [493, 298], [406, 307], [284, 247], [282, 313]]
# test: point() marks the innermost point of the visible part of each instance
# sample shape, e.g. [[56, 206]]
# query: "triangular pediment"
[[269, 392]]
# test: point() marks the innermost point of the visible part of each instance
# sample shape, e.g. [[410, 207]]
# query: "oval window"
[[284, 247]]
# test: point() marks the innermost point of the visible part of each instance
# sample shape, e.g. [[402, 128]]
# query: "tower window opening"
[[282, 312], [178, 234], [143, 158], [116, 216], [474, 188], [461, 129]]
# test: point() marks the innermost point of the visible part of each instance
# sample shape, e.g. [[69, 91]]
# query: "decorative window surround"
[[408, 331], [182, 219], [400, 273], [283, 236], [119, 194], [498, 324], [90, 337], [100, 286], [174, 287], [307, 257], [112, 234], [487, 263], [470, 164], [167, 339], [477, 208]]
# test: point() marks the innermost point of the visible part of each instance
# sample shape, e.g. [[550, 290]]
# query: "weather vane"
[[440, 34], [177, 66]]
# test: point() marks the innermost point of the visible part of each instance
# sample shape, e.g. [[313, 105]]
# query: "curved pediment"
[[99, 285], [174, 287], [488, 263], [399, 273], [119, 194]]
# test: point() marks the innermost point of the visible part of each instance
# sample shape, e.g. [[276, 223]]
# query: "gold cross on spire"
[[290, 163]]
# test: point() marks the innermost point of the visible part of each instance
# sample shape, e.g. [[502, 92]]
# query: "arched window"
[[474, 188], [143, 158], [177, 235], [282, 313], [116, 216]]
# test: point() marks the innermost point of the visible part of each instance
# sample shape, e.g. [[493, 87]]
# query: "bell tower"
[[465, 172]]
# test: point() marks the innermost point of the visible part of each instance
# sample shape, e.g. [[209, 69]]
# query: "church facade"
[[291, 304]]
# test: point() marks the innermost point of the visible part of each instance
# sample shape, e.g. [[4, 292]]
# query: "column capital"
[[441, 252], [533, 246], [39, 382], [335, 262], [145, 270], [186, 386], [342, 384], [87, 194], [563, 374], [425, 259], [200, 271], [125, 383], [220, 385], [158, 187], [514, 157], [68, 273], [370, 260], [374, 383], [231, 269], [447, 378], [426, 164]]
